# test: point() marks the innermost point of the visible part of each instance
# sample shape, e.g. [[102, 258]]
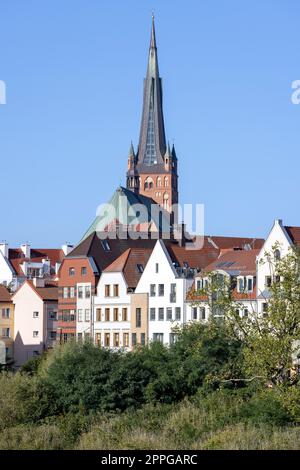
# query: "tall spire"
[[152, 143]]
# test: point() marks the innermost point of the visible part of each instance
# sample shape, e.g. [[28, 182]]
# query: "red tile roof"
[[16, 257], [4, 294], [243, 262], [294, 234], [128, 264]]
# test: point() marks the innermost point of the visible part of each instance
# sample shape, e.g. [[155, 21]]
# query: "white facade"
[[167, 292], [112, 311], [278, 237]]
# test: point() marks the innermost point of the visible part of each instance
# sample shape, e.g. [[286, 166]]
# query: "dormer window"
[[140, 268], [105, 245]]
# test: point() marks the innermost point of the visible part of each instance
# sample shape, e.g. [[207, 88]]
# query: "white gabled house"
[[165, 282]]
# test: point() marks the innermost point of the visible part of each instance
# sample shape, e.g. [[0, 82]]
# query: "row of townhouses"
[[137, 298], [137, 285]]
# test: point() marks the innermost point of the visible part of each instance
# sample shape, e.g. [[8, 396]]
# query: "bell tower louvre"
[[152, 170]]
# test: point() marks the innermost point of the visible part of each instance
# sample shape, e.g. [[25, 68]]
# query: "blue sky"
[[74, 70]]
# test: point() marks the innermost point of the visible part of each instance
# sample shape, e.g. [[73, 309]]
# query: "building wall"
[[166, 276], [25, 344], [66, 280], [6, 273], [139, 301], [6, 343], [101, 301]]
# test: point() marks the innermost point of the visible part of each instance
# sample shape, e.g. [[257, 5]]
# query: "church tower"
[[152, 170]]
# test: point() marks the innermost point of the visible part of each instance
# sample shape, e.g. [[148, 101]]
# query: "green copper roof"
[[122, 209]]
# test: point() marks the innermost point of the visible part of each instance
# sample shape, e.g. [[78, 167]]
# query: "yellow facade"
[[6, 332]]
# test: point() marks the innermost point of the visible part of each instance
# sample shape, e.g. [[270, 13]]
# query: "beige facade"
[[139, 319]]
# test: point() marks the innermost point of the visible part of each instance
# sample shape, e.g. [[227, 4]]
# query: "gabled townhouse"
[[280, 239], [6, 326], [239, 269], [112, 305], [19, 264], [35, 319]]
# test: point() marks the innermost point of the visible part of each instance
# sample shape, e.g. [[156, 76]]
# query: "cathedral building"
[[152, 169]]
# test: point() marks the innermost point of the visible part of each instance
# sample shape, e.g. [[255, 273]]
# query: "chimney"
[[66, 248], [4, 249], [25, 247], [38, 282], [179, 233]]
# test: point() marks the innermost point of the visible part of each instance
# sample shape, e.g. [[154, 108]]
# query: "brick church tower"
[[152, 170]]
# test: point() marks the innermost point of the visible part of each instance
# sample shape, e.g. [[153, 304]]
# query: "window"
[[240, 284], [202, 313], [116, 340], [6, 332], [277, 279], [140, 268], [195, 315], [277, 254], [53, 335], [80, 292], [86, 335], [245, 312], [72, 292], [152, 290], [133, 339], [79, 337], [6, 313], [83, 271], [72, 315], [35, 353], [107, 290], [107, 314], [35, 334], [98, 339], [161, 290], [65, 292], [105, 245], [116, 314], [87, 292], [80, 314], [265, 309], [161, 315], [250, 284], [107, 340], [35, 314], [53, 315], [173, 293], [152, 314], [87, 315], [126, 340], [198, 284], [156, 267], [169, 313], [178, 313], [116, 290], [98, 314], [124, 314], [158, 337], [268, 281], [143, 339], [71, 271], [138, 318], [172, 338]]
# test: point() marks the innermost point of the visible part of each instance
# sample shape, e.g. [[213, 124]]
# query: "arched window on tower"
[[158, 182], [166, 181], [148, 183], [166, 201]]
